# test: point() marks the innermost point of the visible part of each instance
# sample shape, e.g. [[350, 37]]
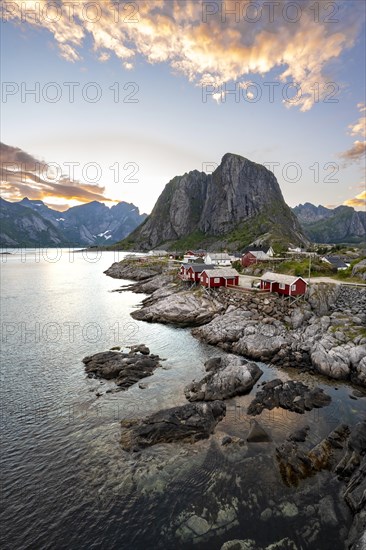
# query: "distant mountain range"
[[32, 223], [343, 224], [238, 204]]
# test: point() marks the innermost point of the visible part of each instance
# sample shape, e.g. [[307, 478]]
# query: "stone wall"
[[326, 298], [350, 299]]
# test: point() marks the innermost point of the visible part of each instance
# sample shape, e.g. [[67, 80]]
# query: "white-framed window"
[[216, 279], [282, 286], [293, 288]]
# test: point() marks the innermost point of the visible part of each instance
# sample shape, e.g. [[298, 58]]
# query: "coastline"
[[315, 337], [326, 334]]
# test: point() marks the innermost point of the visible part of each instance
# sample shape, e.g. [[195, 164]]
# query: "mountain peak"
[[25, 200], [230, 207], [229, 156]]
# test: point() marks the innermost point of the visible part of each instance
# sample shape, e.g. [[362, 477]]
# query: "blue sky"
[[165, 60]]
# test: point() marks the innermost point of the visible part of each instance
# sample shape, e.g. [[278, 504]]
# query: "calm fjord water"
[[66, 483]]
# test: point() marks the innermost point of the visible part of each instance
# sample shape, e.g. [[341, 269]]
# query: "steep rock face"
[[309, 213], [236, 204], [324, 225], [177, 211], [238, 189]]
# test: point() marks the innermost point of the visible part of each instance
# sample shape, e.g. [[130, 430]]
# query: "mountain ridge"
[[342, 224], [32, 223]]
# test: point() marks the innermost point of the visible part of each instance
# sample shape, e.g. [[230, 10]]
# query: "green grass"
[[193, 240], [350, 332], [300, 268]]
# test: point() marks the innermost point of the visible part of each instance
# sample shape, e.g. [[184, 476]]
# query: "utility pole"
[[309, 268]]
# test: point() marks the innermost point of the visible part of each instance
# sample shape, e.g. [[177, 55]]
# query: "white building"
[[221, 258], [158, 253]]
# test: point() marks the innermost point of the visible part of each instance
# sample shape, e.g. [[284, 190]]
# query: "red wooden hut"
[[219, 277], [253, 257], [192, 272], [289, 285]]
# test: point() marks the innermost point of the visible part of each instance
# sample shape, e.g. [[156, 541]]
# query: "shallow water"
[[66, 483]]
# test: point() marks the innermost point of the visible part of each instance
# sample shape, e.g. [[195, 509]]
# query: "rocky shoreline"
[[326, 335]]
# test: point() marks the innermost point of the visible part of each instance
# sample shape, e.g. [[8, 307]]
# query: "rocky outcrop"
[[326, 334], [339, 361], [134, 270], [187, 308], [291, 395], [238, 195], [322, 297], [188, 423], [125, 369], [332, 344], [228, 376], [359, 270], [239, 332]]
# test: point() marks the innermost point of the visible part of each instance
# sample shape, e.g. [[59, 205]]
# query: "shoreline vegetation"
[[322, 335]]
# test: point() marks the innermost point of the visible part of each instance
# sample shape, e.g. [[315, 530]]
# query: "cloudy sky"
[[110, 100]]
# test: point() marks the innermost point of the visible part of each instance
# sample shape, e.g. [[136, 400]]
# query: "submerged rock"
[[124, 368], [299, 435], [356, 448], [236, 544], [228, 376], [291, 395], [249, 544], [296, 464], [189, 423], [257, 434]]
